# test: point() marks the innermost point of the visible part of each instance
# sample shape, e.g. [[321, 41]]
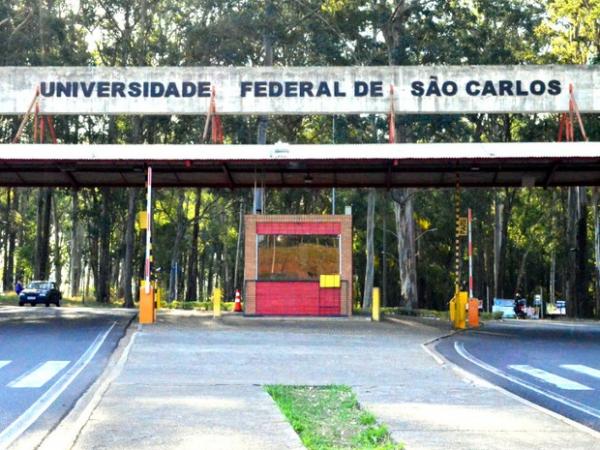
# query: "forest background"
[[526, 240]]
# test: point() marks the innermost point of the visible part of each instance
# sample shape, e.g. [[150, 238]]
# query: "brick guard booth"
[[298, 265]]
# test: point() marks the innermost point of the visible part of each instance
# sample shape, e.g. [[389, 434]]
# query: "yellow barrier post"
[[217, 297], [460, 316], [376, 306], [452, 309], [157, 295], [147, 307]]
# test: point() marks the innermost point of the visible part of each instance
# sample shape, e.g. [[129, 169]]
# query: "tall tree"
[[76, 244], [129, 247]]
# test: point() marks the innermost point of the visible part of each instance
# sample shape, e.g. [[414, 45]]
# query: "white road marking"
[[39, 376], [582, 369], [460, 349], [551, 378], [24, 421], [4, 363]]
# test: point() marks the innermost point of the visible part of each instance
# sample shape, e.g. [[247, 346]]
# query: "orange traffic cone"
[[238, 301]]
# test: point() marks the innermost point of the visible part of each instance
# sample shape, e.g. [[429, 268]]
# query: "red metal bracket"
[[566, 126]]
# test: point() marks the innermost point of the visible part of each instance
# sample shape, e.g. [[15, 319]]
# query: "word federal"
[[309, 89]]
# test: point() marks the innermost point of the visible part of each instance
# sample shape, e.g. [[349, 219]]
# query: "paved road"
[[48, 358], [555, 365]]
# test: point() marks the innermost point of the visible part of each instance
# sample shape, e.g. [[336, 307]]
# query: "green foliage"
[[572, 26]]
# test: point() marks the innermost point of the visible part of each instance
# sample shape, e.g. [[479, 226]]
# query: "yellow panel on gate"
[[330, 281], [142, 220]]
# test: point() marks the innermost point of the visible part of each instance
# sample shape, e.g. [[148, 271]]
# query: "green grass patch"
[[330, 417], [433, 314], [491, 316], [430, 313], [198, 306]]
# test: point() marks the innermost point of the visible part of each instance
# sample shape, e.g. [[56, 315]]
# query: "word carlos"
[[499, 88]]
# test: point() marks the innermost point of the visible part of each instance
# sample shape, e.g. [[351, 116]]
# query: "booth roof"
[[282, 165]]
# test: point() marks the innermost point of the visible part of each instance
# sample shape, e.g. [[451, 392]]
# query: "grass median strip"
[[330, 417]]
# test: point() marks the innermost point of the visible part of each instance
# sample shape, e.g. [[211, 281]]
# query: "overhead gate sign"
[[300, 90]]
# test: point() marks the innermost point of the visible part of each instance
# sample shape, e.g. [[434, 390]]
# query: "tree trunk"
[[595, 205], [552, 282], [180, 230], [370, 260], [6, 274], [103, 282], [10, 267], [76, 237], [129, 248], [405, 231], [577, 250], [384, 291], [192, 270], [554, 234], [43, 233], [582, 272], [57, 259], [502, 210], [211, 265], [202, 276], [498, 244], [521, 274], [238, 246]]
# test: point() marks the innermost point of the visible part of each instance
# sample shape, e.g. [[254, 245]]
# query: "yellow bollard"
[[460, 316], [147, 306], [376, 307], [157, 296], [217, 298], [452, 309]]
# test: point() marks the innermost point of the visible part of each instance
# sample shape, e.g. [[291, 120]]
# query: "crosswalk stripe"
[[580, 368], [4, 363], [39, 376], [556, 380]]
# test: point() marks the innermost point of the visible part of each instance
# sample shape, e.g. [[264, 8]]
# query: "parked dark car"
[[44, 292]]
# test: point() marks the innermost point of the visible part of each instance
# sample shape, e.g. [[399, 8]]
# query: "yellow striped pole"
[[457, 237], [148, 264]]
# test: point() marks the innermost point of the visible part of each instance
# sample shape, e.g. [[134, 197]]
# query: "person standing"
[[18, 287]]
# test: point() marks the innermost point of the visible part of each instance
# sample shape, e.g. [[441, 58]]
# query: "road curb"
[[429, 348], [412, 323], [66, 433]]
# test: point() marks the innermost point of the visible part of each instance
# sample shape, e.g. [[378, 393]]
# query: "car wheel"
[[21, 304], [57, 303], [47, 304]]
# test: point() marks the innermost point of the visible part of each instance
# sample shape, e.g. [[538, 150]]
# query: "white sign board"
[[300, 90]]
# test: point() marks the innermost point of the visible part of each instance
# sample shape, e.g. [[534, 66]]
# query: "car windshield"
[[40, 285]]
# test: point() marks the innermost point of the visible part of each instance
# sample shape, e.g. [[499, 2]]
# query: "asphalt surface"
[[48, 358], [554, 365]]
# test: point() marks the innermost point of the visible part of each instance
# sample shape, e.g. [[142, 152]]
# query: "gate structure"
[[218, 91]]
